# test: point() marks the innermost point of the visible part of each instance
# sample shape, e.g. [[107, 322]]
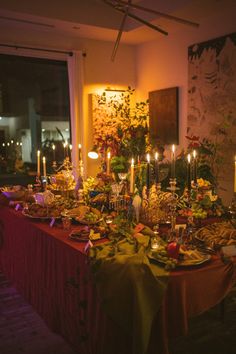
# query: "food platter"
[[37, 217], [85, 236], [182, 262]]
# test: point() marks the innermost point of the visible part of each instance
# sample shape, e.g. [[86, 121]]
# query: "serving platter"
[[182, 262], [40, 217]]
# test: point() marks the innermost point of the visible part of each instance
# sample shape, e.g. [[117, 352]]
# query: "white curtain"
[[75, 71]]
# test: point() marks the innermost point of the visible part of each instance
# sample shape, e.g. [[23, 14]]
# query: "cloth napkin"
[[130, 289]]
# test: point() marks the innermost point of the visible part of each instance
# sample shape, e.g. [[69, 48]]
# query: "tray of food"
[[87, 233], [84, 214], [217, 234], [183, 258], [37, 211]]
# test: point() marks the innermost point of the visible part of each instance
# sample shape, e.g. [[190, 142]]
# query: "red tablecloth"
[[52, 274]]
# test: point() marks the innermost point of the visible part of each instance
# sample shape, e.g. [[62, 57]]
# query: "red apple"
[[173, 249]]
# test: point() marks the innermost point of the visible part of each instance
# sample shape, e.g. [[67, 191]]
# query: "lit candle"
[[156, 167], [54, 152], [148, 172], [172, 174], [70, 147], [235, 174], [132, 176], [64, 145], [108, 163], [38, 162], [79, 147], [189, 172], [44, 166], [195, 166]]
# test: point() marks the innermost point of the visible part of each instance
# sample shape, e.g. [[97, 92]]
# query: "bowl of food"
[[13, 192]]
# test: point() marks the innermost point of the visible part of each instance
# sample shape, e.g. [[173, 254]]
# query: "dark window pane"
[[34, 113]]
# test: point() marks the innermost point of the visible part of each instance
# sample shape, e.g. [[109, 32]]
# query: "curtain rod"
[[38, 49]]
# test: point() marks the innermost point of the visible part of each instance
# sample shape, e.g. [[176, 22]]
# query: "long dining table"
[[53, 274]]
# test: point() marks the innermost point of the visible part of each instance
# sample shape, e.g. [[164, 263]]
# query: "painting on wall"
[[212, 97], [164, 115]]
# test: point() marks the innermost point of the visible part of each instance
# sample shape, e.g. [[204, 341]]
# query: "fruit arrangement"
[[39, 211]]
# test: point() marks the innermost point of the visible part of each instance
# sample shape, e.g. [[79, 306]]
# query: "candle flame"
[[53, 147], [108, 155], [148, 158], [44, 159], [79, 146], [132, 162], [156, 156], [38, 153], [189, 158], [70, 146], [173, 148], [194, 154]]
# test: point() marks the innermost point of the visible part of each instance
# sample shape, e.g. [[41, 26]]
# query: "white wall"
[[164, 63]]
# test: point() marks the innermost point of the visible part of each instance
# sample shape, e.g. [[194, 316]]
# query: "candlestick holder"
[[173, 204]]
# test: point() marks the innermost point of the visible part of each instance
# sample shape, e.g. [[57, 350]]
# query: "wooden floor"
[[22, 331]]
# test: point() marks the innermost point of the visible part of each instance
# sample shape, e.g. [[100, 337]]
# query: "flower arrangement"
[[119, 126]]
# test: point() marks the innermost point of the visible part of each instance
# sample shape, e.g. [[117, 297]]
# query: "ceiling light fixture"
[[126, 6]]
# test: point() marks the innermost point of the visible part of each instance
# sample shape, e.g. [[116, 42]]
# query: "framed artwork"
[[164, 115]]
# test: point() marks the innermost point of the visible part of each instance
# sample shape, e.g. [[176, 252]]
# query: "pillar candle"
[[235, 174], [194, 166], [172, 174], [108, 163], [148, 172], [132, 176], [44, 166], [38, 162], [189, 172], [156, 167]]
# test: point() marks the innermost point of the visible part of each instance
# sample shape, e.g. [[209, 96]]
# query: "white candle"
[[156, 167], [235, 174], [79, 147], [173, 161], [108, 162], [44, 166], [195, 166], [189, 172], [54, 153], [38, 162], [132, 176]]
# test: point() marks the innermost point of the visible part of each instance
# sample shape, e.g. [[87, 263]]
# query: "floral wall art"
[[212, 102]]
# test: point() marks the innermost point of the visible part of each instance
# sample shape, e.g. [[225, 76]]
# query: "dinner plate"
[[185, 262], [80, 238], [39, 217]]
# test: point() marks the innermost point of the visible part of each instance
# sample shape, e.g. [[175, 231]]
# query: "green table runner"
[[130, 289]]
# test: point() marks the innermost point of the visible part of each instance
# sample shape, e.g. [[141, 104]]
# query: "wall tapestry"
[[212, 99]]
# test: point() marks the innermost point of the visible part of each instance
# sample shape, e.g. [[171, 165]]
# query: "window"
[[34, 113]]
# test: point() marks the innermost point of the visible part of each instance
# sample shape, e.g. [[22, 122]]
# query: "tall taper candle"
[[195, 166], [108, 163], [172, 174], [38, 162], [44, 166], [189, 172], [156, 168], [235, 174], [54, 152], [132, 177], [148, 172], [79, 147]]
